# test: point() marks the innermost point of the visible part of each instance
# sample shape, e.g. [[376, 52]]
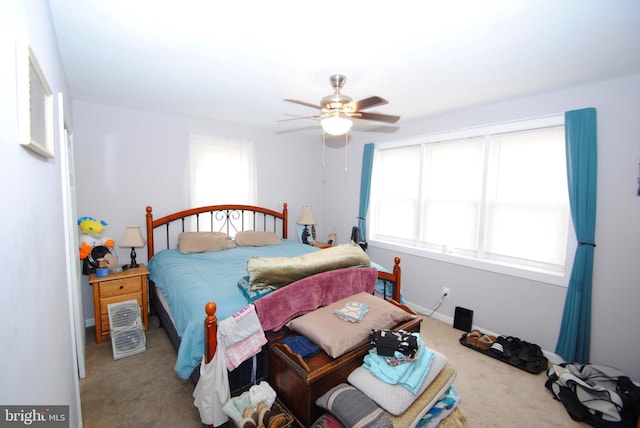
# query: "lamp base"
[[306, 235], [133, 263]]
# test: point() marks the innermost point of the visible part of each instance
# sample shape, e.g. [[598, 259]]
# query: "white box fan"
[[127, 330]]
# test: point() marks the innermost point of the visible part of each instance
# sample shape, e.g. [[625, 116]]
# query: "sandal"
[[530, 351], [497, 349], [249, 418], [485, 342], [264, 414], [510, 346], [279, 420], [472, 337]]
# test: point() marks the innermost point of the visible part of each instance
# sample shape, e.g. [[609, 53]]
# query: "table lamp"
[[133, 239], [307, 219]]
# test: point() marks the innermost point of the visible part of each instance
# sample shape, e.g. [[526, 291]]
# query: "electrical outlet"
[[446, 292]]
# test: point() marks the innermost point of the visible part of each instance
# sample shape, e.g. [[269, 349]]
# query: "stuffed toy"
[[92, 235]]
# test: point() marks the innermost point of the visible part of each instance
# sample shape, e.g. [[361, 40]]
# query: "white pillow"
[[203, 242], [337, 336], [256, 238]]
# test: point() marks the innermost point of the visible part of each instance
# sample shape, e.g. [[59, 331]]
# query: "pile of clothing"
[[401, 383], [241, 336], [255, 408]]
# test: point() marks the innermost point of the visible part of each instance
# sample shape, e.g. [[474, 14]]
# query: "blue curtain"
[[365, 189], [574, 340]]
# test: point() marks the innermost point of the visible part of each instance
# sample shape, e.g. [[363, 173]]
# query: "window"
[[221, 171], [496, 195]]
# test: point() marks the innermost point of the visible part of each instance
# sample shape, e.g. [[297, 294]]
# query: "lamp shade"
[[132, 238], [306, 216], [336, 125]]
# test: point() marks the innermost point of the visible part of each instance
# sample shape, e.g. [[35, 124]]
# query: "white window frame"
[[540, 274]]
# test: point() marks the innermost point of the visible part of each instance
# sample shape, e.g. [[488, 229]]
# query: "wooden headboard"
[[215, 218]]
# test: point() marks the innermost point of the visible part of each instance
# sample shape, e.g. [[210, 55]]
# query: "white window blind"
[[495, 196], [527, 197], [222, 171]]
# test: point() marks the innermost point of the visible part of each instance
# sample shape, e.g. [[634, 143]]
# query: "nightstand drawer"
[[117, 287]]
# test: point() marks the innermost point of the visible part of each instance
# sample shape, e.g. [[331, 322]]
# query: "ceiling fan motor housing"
[[335, 101]]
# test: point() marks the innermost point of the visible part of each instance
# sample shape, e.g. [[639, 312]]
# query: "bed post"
[[149, 234], [397, 273], [210, 332], [285, 217]]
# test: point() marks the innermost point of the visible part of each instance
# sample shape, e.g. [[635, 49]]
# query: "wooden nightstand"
[[117, 287], [322, 245]]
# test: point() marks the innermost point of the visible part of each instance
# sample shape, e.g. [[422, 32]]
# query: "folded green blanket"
[[274, 272]]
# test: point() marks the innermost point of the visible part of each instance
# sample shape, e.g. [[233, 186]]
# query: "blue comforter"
[[189, 281]]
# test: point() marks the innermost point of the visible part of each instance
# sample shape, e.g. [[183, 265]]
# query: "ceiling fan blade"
[[304, 103], [387, 118], [295, 117], [368, 126], [367, 103], [382, 129], [304, 128]]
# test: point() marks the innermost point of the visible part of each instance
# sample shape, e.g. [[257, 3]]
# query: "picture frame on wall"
[[35, 104]]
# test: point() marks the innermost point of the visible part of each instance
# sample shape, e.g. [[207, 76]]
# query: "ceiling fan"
[[335, 111]]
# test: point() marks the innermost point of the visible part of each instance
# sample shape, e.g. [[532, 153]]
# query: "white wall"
[[38, 359], [524, 308], [126, 160]]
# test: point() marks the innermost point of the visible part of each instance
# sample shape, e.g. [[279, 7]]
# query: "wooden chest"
[[299, 382]]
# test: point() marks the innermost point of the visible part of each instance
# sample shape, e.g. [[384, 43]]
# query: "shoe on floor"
[[249, 418], [510, 346], [278, 421], [485, 342], [264, 414], [530, 351], [472, 337]]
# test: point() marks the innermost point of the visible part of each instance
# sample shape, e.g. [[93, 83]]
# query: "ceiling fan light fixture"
[[336, 125]]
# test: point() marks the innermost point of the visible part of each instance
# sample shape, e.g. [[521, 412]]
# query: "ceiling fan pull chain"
[[323, 144], [346, 151]]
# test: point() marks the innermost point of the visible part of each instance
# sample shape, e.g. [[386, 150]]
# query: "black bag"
[[600, 396]]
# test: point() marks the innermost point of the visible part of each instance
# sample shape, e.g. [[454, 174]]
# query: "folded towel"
[[410, 376], [352, 311], [301, 346], [245, 349], [443, 408], [238, 326], [262, 393], [251, 294]]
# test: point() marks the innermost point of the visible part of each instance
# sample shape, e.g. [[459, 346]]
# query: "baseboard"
[[90, 322], [551, 356]]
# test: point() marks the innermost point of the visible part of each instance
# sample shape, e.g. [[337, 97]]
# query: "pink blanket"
[[278, 308]]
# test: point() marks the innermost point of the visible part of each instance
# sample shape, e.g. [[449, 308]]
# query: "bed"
[[215, 281]]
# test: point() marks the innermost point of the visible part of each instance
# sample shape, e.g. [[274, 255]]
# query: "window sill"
[[547, 277]]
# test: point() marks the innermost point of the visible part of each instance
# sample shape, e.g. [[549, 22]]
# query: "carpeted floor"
[[137, 391], [143, 389]]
